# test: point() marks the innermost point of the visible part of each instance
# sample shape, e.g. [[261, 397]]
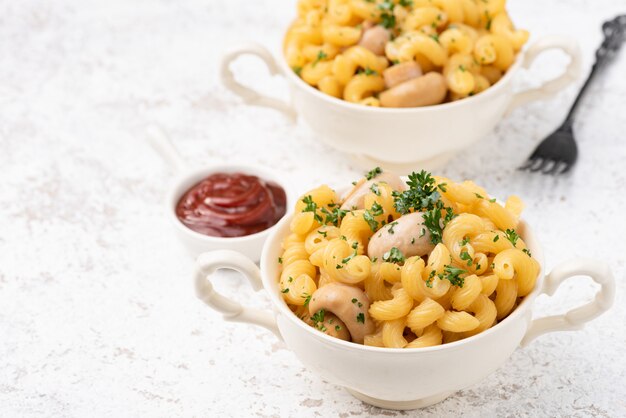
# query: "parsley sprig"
[[393, 256], [453, 275], [423, 195], [373, 173], [332, 216]]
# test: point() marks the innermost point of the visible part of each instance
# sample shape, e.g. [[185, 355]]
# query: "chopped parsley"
[[367, 71], [406, 3], [393, 256], [422, 193], [290, 279], [286, 290], [387, 18], [360, 318], [435, 223], [512, 236], [297, 70], [373, 173], [356, 302], [465, 241], [370, 216], [466, 257], [452, 274], [496, 238], [318, 316], [374, 188], [323, 233], [527, 251], [431, 276], [320, 56], [435, 37], [478, 195], [333, 216], [337, 328], [307, 299], [391, 226], [280, 260]]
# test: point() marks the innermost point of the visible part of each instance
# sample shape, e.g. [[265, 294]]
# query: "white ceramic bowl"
[[400, 378], [197, 243], [402, 139]]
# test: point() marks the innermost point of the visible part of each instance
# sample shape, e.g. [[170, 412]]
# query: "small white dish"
[[195, 242], [401, 378], [400, 139]]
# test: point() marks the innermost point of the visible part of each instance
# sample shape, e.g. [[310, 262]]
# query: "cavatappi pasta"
[[402, 53], [405, 265]]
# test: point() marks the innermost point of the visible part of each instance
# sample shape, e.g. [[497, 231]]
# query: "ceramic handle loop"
[[251, 96], [575, 318], [207, 264], [549, 88]]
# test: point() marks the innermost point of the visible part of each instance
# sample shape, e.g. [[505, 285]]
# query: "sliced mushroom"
[[399, 73], [375, 38], [329, 324], [429, 89], [349, 303], [407, 233], [355, 197]]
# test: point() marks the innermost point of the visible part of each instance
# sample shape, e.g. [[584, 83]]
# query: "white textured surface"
[[97, 311]]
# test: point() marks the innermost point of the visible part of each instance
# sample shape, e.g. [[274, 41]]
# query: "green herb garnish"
[[512, 236], [452, 274], [393, 256], [320, 56], [373, 173]]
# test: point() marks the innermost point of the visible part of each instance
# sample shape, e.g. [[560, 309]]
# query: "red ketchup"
[[231, 205]]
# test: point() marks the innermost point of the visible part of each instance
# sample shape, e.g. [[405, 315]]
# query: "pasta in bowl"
[[405, 267], [406, 53], [436, 303], [339, 75]]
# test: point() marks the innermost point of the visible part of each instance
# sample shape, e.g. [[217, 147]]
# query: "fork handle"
[[614, 36]]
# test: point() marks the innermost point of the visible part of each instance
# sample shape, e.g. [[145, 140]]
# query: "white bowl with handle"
[[400, 378], [401, 139]]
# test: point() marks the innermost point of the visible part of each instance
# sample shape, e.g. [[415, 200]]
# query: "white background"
[[97, 311]]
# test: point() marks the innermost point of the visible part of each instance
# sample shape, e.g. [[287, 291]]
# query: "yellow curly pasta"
[[337, 45], [431, 336], [395, 308], [356, 230], [393, 331], [457, 321], [424, 314], [471, 273]]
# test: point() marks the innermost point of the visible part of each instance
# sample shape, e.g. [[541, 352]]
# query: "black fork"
[[558, 152]]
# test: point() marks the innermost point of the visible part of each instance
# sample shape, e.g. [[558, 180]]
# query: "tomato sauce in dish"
[[231, 205]]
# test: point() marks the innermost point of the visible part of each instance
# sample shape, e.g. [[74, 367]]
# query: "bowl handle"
[[207, 264], [549, 88], [574, 319], [249, 95]]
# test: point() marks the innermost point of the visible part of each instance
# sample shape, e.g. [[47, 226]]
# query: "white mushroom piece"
[[349, 304], [407, 233], [426, 90], [354, 199], [375, 38], [399, 73]]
